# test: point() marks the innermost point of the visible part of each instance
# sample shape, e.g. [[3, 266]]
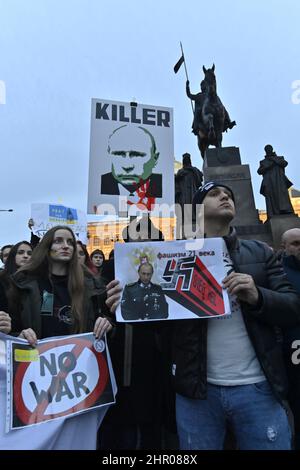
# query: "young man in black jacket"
[[231, 369]]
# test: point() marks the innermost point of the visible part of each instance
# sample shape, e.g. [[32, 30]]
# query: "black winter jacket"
[[279, 306], [29, 315]]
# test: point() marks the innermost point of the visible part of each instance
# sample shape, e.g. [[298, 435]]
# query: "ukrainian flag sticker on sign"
[[22, 355]]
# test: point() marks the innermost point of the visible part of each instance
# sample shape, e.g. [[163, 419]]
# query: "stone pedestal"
[[223, 156], [279, 224], [224, 165]]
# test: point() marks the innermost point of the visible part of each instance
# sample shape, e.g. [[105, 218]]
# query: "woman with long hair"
[[57, 296], [18, 256], [4, 252]]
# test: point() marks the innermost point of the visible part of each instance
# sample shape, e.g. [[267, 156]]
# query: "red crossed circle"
[[21, 410]]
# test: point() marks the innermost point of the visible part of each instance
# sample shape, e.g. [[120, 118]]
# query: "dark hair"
[[40, 265], [10, 265], [87, 259], [97, 252], [95, 269], [4, 248]]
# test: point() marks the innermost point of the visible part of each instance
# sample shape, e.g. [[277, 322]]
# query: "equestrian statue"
[[211, 118]]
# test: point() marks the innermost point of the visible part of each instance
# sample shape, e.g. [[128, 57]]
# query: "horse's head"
[[210, 78], [206, 70]]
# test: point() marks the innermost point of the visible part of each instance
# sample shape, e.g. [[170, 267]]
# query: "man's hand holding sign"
[[242, 285]]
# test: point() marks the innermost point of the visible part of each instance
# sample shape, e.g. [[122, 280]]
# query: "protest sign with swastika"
[[172, 280]]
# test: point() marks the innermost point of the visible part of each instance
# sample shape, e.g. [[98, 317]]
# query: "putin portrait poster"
[[172, 280], [131, 158]]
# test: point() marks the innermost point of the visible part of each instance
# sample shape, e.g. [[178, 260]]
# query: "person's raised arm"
[[188, 91], [34, 239]]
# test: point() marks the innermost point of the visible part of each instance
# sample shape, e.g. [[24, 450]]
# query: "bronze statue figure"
[[211, 118], [275, 184], [187, 180]]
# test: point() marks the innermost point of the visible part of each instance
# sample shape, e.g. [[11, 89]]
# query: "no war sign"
[[60, 377]]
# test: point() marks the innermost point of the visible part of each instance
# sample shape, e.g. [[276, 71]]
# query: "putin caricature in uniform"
[[143, 300]]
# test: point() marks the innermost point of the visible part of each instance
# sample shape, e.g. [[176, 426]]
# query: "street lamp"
[[6, 210]]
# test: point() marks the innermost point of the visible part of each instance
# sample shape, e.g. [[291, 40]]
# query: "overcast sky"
[[58, 54]]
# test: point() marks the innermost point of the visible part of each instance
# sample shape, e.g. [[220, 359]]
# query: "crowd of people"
[[184, 384]]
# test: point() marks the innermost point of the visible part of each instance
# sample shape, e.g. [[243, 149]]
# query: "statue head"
[[269, 150], [204, 86], [186, 159]]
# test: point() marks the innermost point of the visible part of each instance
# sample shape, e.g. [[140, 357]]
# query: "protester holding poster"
[[57, 297], [230, 369]]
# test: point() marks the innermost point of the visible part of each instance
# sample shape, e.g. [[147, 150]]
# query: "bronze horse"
[[211, 118]]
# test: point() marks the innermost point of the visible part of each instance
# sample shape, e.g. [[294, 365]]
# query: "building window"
[[96, 241]]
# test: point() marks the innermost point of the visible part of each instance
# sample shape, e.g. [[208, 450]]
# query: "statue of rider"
[[198, 126]]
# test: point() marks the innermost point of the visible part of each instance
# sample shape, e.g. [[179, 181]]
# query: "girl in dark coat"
[[56, 295], [18, 256]]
